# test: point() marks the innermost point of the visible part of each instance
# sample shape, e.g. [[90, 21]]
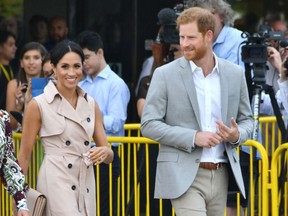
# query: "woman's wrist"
[[20, 103]]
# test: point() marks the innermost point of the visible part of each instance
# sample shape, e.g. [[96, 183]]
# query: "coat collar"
[[63, 107], [50, 91]]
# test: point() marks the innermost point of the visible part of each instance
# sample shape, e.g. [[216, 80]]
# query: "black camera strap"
[[269, 90]]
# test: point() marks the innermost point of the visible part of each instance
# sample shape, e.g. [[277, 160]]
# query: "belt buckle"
[[218, 166]]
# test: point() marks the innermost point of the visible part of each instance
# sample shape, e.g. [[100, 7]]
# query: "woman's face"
[[32, 63], [68, 70], [47, 69]]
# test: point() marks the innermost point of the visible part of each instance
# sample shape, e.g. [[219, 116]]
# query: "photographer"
[[175, 52], [163, 47], [278, 59], [283, 81]]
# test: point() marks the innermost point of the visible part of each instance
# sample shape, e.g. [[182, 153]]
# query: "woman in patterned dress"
[[10, 172]]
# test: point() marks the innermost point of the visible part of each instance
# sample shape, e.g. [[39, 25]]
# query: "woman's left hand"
[[99, 155]]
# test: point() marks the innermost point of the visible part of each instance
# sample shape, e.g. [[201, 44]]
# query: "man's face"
[[58, 30], [8, 49], [92, 62], [192, 42], [40, 30]]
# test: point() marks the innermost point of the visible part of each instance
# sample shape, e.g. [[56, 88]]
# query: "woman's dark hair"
[[46, 58], [63, 48], [27, 47]]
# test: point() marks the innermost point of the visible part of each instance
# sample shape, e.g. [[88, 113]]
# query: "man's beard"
[[197, 53]]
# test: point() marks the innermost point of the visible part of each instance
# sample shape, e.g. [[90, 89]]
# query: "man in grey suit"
[[198, 109]]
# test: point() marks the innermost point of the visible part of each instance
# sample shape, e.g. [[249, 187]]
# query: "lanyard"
[[8, 77]]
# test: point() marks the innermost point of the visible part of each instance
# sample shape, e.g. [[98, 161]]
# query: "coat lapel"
[[64, 108], [188, 80]]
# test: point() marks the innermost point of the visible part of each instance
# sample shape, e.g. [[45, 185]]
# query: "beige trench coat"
[[65, 135]]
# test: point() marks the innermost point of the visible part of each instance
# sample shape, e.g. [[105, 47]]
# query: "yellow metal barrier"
[[262, 180], [136, 149], [271, 135], [276, 167]]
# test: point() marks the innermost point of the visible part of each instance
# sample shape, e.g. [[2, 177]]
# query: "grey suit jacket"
[[171, 117]]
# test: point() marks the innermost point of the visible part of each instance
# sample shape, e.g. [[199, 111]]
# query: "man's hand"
[[207, 139], [228, 134]]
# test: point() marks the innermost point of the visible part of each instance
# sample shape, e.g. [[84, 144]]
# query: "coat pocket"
[[168, 156]]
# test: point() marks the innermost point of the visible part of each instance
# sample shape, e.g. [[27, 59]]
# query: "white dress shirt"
[[209, 100]]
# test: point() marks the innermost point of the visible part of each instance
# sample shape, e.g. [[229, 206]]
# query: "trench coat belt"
[[83, 171]]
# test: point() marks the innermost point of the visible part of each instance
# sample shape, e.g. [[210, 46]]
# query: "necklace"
[[7, 75]]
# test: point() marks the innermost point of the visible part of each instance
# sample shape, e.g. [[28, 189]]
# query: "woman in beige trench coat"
[[66, 119]]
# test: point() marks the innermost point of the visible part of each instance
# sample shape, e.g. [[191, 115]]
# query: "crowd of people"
[[85, 99]]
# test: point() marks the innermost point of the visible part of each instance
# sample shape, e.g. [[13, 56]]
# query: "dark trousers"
[[154, 203], [104, 185]]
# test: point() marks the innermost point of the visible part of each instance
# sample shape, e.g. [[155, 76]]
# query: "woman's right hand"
[[28, 94], [23, 213], [20, 92]]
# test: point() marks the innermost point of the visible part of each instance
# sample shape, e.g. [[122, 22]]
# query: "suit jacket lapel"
[[224, 91], [188, 80]]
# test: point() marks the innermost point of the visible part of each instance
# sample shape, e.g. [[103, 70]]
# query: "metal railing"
[[137, 157]]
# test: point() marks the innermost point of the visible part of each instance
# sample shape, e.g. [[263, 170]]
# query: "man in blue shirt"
[[112, 96]]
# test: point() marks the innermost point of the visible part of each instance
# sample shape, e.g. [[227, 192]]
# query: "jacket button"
[[69, 165], [88, 119], [73, 187], [87, 190], [68, 142], [86, 143]]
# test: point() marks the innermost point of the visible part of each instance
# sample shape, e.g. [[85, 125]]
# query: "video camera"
[[254, 52], [168, 33]]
